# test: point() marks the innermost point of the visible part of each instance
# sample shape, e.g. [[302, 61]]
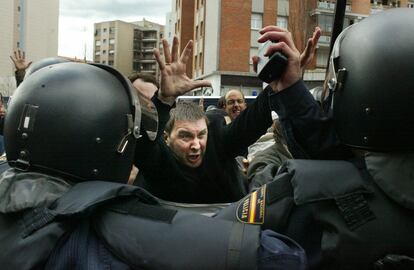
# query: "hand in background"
[[19, 60], [307, 55]]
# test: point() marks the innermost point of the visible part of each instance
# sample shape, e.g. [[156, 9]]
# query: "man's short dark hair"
[[149, 78], [184, 111]]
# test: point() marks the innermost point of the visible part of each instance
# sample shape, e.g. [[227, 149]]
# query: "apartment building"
[[225, 35], [30, 26], [181, 24], [128, 46], [321, 13]]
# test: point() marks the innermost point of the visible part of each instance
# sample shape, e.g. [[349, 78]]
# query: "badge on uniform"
[[252, 208]]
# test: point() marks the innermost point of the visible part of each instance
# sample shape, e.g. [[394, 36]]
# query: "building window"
[[256, 21], [104, 52], [201, 60], [104, 41], [322, 58], [104, 30], [282, 22], [111, 52], [103, 62], [326, 22], [18, 45], [111, 41], [111, 62], [98, 43], [18, 9], [201, 29], [111, 30]]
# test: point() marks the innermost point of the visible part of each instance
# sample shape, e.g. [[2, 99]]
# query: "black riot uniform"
[[345, 215], [358, 212], [71, 132]]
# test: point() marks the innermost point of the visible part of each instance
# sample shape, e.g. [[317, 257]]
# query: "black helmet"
[[371, 74], [75, 120], [44, 63]]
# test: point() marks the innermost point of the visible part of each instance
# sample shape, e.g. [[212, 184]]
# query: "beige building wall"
[[124, 40], [41, 19], [128, 47], [31, 26], [113, 45], [6, 46]]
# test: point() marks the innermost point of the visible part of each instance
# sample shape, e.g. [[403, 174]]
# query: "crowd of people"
[[106, 171]]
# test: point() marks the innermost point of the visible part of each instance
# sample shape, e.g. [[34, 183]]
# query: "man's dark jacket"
[[218, 179]]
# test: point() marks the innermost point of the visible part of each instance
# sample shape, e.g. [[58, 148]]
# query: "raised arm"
[[174, 80], [20, 65], [308, 130]]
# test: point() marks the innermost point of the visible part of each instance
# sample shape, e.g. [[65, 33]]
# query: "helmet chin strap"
[[125, 139]]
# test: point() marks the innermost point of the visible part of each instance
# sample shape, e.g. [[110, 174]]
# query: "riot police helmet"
[[75, 120], [370, 74], [44, 63]]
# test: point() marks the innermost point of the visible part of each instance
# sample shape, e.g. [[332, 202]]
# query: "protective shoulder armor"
[[317, 180]]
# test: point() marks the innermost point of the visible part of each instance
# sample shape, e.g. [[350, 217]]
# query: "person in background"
[[234, 103], [146, 85]]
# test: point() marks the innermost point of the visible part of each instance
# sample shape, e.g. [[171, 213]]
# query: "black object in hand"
[[270, 68]]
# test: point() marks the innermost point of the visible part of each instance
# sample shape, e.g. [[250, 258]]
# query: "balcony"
[[150, 38], [145, 60], [328, 8]]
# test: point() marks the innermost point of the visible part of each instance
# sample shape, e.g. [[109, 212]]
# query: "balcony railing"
[[330, 7]]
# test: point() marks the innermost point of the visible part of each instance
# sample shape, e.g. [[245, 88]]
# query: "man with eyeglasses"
[[234, 104]]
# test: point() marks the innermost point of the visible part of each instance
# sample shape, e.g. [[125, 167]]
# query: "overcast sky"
[[77, 18]]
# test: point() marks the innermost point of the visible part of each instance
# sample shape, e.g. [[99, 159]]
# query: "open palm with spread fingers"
[[19, 60], [174, 80]]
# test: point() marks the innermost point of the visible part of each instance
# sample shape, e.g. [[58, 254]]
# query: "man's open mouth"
[[194, 158]]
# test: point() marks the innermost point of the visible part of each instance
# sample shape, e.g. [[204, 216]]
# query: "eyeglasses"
[[233, 101]]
